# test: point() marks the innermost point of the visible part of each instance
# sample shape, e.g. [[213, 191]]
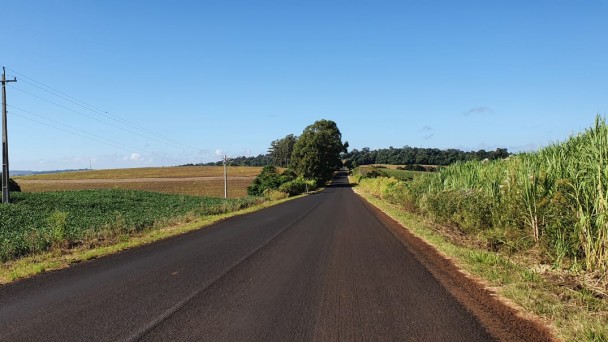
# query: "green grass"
[[38, 222]]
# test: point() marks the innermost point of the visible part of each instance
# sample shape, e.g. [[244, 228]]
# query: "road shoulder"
[[503, 319]]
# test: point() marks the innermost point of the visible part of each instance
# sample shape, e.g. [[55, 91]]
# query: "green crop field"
[[36, 222]]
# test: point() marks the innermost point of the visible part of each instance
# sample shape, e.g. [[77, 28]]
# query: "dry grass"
[[152, 172], [187, 180]]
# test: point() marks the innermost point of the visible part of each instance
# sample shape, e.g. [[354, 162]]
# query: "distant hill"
[[14, 173]]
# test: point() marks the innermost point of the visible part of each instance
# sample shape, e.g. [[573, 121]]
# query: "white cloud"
[[218, 152], [135, 157]]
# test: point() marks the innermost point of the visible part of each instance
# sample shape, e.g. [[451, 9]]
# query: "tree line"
[[279, 154], [415, 155]]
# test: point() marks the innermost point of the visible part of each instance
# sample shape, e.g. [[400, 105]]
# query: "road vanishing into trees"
[[326, 267]]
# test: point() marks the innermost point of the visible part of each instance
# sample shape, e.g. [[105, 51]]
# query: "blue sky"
[[235, 75]]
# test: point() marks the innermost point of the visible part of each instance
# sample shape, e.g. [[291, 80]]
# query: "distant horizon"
[[219, 159]]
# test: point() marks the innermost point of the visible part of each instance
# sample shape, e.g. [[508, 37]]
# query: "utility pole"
[[225, 177], [5, 189]]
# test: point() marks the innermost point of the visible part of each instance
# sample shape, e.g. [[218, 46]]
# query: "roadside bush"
[[312, 184], [269, 178], [275, 195], [394, 191], [355, 178], [294, 187], [286, 182], [288, 175], [298, 186], [12, 185]]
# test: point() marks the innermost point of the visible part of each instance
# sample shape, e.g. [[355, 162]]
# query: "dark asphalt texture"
[[322, 268]]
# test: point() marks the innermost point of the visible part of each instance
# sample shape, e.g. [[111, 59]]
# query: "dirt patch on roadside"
[[501, 318]]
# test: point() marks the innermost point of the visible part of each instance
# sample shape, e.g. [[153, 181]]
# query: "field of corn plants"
[[554, 200], [37, 222]]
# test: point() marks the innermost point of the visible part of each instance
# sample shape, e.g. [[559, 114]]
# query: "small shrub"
[[298, 186], [275, 195], [269, 178], [57, 222], [470, 210], [12, 185]]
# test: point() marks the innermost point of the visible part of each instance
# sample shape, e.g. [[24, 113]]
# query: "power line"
[[107, 115], [69, 126], [94, 118], [156, 136], [71, 132], [83, 134]]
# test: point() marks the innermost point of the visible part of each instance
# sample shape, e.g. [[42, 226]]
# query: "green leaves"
[[280, 150], [269, 178], [316, 154], [35, 222]]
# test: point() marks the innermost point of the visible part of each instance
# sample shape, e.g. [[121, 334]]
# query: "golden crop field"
[[153, 172], [187, 180]]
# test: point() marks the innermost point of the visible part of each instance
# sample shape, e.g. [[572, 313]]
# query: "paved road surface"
[[320, 268]]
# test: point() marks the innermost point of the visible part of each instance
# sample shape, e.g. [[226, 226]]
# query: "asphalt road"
[[322, 268]]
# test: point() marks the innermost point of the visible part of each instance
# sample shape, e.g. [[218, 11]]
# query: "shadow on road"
[[340, 180]]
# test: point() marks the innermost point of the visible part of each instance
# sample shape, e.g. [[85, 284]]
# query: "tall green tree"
[[316, 154], [281, 149]]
